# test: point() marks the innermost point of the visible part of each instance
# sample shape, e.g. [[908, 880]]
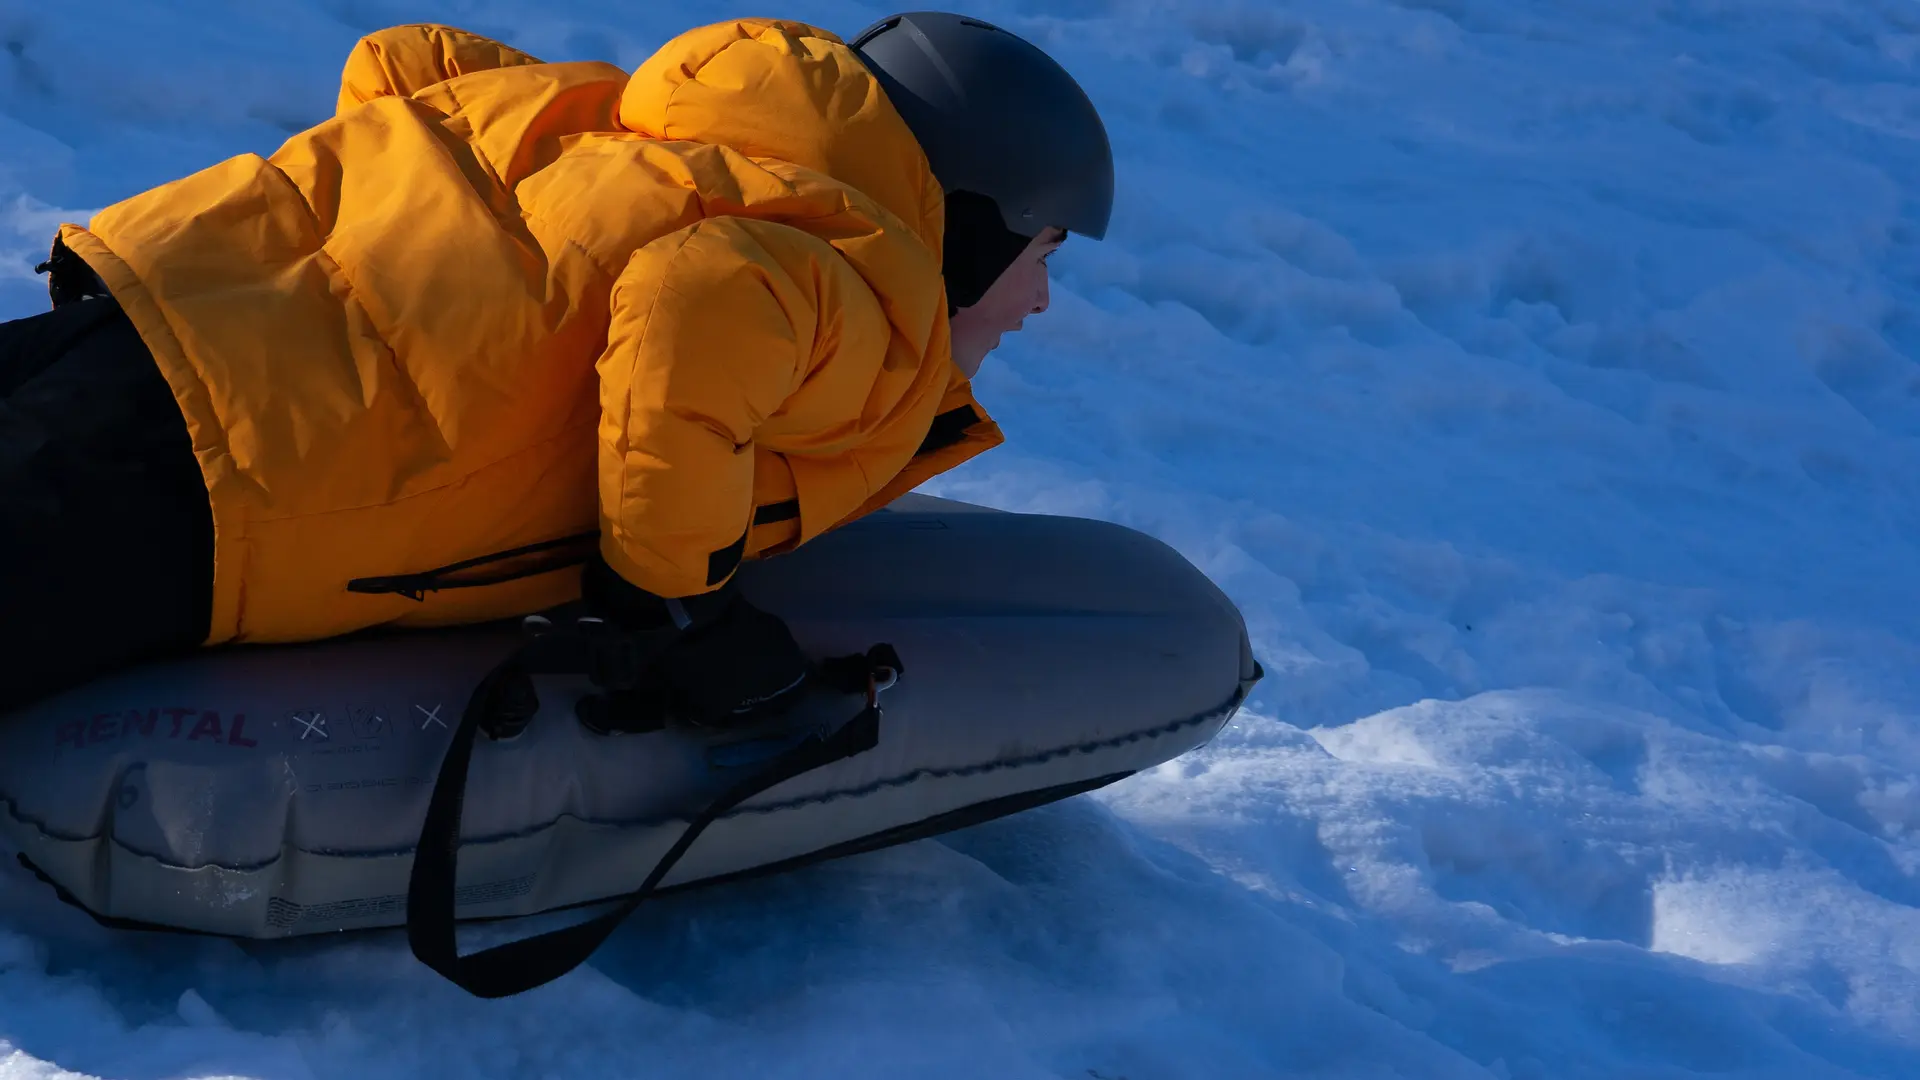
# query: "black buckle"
[[861, 673]]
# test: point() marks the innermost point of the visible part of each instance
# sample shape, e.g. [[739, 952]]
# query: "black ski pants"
[[106, 536]]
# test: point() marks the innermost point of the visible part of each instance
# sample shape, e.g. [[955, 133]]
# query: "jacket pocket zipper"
[[496, 569], [521, 562]]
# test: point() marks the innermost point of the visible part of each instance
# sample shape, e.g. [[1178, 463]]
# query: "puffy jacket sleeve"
[[713, 328], [403, 60]]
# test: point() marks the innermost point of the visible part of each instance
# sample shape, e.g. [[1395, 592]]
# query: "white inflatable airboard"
[[264, 792]]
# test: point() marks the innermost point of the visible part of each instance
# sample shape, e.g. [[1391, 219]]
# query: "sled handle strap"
[[518, 966]]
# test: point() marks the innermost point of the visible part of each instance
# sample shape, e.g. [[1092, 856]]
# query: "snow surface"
[[1543, 380]]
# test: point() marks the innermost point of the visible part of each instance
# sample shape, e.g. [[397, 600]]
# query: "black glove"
[[714, 659], [739, 669]]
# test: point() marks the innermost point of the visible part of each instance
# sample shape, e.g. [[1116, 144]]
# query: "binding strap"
[[518, 966]]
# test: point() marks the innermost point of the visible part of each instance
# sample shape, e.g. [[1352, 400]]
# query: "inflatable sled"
[[266, 792]]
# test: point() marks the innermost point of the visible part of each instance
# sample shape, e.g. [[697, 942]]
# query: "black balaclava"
[[979, 248]]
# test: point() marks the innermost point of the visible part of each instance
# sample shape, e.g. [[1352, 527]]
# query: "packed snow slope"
[[1543, 380]]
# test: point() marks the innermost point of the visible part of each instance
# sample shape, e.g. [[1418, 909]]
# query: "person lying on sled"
[[502, 334]]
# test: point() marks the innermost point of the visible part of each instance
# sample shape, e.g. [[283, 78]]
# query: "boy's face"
[[1020, 291]]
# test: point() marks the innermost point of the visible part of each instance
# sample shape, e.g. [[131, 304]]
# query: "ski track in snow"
[[1543, 381]]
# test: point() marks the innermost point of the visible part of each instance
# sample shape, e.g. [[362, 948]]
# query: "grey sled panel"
[[270, 791]]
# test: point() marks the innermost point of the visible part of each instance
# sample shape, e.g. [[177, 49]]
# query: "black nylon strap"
[[518, 966]]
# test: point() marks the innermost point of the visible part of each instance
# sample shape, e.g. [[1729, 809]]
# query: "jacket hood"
[[770, 88]]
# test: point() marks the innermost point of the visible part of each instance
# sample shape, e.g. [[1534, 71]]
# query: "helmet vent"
[[875, 31]]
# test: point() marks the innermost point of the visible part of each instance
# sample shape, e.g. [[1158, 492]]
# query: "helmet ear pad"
[[978, 249]]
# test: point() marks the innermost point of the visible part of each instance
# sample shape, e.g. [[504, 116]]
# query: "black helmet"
[[996, 117]]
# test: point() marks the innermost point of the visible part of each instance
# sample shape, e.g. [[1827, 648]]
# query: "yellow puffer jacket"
[[496, 308]]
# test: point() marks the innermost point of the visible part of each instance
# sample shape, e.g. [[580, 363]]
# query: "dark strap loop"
[[518, 966]]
